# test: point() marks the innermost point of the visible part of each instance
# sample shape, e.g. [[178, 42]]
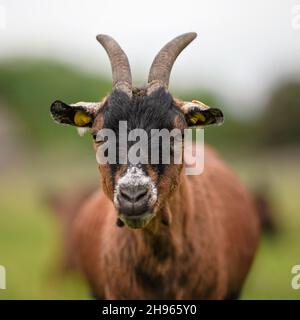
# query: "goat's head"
[[138, 189]]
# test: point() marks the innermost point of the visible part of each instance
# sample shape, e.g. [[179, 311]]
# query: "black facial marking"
[[141, 111], [156, 111]]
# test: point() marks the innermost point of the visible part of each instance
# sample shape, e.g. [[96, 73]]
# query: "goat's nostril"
[[133, 193], [125, 194], [141, 194]]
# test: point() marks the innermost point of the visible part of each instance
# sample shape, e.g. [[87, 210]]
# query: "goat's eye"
[[98, 138]]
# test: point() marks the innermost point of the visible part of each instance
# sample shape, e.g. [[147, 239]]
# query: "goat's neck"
[[167, 230]]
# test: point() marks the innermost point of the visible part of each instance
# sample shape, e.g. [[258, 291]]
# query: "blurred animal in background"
[[279, 127], [66, 208], [177, 236], [266, 213]]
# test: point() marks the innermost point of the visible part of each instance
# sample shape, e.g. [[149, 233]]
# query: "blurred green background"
[[39, 158]]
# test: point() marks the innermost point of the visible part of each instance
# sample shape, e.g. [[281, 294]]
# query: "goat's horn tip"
[[101, 37], [193, 35]]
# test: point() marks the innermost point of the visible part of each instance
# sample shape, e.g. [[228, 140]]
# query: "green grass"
[[29, 246], [270, 277]]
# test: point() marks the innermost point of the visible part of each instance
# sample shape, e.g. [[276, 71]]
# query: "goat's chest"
[[157, 271]]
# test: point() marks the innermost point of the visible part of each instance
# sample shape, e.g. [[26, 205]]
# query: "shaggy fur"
[[204, 253], [202, 241]]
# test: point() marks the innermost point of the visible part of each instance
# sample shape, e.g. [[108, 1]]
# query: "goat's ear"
[[81, 114], [197, 114]]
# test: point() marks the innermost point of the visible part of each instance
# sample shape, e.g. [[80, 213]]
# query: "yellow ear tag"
[[200, 116], [195, 118], [81, 119]]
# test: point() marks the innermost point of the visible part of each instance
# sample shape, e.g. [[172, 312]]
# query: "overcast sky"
[[242, 49]]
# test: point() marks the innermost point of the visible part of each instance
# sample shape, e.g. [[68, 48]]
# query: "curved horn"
[[161, 67], [121, 75]]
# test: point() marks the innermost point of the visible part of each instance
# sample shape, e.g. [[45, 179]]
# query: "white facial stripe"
[[135, 176]]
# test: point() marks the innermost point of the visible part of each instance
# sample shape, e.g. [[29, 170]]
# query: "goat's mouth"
[[136, 212], [137, 221]]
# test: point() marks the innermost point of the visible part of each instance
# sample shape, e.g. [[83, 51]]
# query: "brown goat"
[[186, 236]]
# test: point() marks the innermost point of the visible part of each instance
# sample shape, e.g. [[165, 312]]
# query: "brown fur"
[[204, 253]]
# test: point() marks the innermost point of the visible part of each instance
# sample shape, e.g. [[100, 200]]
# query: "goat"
[[177, 236]]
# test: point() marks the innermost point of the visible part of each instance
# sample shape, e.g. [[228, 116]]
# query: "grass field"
[[30, 244]]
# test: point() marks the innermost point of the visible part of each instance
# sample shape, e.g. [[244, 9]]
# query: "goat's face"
[[140, 188]]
